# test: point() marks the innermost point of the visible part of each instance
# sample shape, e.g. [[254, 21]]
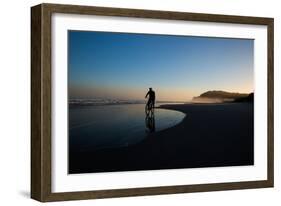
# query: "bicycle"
[[149, 108]]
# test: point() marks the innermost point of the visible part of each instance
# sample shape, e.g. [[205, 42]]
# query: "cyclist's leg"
[[147, 107], [152, 106], [149, 104]]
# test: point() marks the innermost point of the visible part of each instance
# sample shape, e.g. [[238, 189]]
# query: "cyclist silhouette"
[[151, 99]]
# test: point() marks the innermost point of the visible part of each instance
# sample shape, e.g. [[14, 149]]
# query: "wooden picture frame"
[[41, 173]]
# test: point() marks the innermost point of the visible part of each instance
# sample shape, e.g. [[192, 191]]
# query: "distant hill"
[[249, 98], [219, 96]]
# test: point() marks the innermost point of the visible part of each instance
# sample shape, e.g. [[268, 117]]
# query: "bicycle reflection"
[[150, 122]]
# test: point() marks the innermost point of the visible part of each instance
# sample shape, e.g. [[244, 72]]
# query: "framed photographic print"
[[130, 102]]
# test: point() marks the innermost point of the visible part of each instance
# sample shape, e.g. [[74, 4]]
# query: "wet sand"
[[210, 135]]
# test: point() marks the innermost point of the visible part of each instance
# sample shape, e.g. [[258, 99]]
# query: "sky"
[[123, 65]]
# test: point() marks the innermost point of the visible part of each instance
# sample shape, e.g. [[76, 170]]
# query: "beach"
[[210, 135]]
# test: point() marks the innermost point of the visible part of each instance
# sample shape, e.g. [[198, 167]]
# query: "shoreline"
[[210, 135], [178, 108]]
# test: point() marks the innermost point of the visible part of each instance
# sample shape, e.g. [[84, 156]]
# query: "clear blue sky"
[[124, 66]]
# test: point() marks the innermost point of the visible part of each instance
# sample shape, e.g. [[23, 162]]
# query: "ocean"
[[95, 127]]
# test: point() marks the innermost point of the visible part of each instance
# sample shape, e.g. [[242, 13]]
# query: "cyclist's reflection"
[[150, 122], [149, 111]]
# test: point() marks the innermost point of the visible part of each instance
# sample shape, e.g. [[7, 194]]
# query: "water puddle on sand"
[[109, 126]]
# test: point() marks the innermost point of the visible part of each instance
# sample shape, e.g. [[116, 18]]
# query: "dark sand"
[[211, 135]]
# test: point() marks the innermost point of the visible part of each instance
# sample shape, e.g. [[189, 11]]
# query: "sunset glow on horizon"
[[123, 66]]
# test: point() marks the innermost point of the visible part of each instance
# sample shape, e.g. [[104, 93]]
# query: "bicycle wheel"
[[146, 109]]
